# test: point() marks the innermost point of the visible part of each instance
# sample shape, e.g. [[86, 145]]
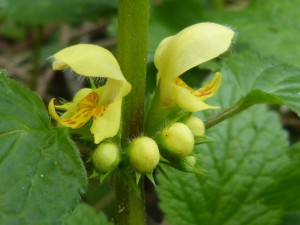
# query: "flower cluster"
[[100, 108]]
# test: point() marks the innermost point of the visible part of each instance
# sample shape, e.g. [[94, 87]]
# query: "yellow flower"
[[177, 54], [102, 104]]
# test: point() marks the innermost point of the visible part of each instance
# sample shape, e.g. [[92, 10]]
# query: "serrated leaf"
[[86, 215], [262, 80], [269, 31], [40, 168], [250, 152]]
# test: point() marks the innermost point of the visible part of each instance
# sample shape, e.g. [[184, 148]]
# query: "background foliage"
[[252, 169]]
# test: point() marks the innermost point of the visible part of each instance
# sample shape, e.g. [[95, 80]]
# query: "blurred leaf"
[[250, 152], [12, 30], [268, 27], [262, 80], [168, 17], [286, 187], [86, 215], [292, 218], [40, 168], [58, 11]]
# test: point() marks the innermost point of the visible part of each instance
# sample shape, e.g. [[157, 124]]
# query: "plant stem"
[[132, 55], [38, 30], [240, 106]]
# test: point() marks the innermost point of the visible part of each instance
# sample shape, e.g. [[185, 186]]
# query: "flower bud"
[[196, 126], [106, 156], [143, 154], [177, 139]]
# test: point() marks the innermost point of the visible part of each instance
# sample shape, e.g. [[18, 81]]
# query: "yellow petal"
[[114, 90], [52, 111], [89, 102], [190, 47], [210, 88], [71, 109], [159, 54], [88, 60], [107, 123], [82, 93], [186, 100], [77, 120], [79, 114], [65, 106]]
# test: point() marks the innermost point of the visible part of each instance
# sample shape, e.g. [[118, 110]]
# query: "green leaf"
[[86, 215], [165, 20], [40, 168], [35, 12], [267, 27], [249, 155], [286, 188], [262, 80], [291, 218]]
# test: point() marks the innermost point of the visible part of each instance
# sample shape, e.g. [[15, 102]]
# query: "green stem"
[[36, 55], [133, 19], [240, 106]]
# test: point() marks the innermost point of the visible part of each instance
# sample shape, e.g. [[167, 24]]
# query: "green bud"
[[106, 156], [177, 139], [196, 126], [143, 154]]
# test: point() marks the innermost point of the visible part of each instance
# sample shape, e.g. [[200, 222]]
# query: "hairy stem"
[[132, 55]]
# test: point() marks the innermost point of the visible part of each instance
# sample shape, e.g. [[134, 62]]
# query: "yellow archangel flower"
[[102, 104], [177, 54]]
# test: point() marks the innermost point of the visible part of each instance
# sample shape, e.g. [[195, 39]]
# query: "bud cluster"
[[173, 146]]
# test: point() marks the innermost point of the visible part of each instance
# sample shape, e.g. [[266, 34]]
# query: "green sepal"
[[90, 159], [138, 176], [150, 177], [102, 176], [181, 164], [94, 174], [203, 140], [163, 160]]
